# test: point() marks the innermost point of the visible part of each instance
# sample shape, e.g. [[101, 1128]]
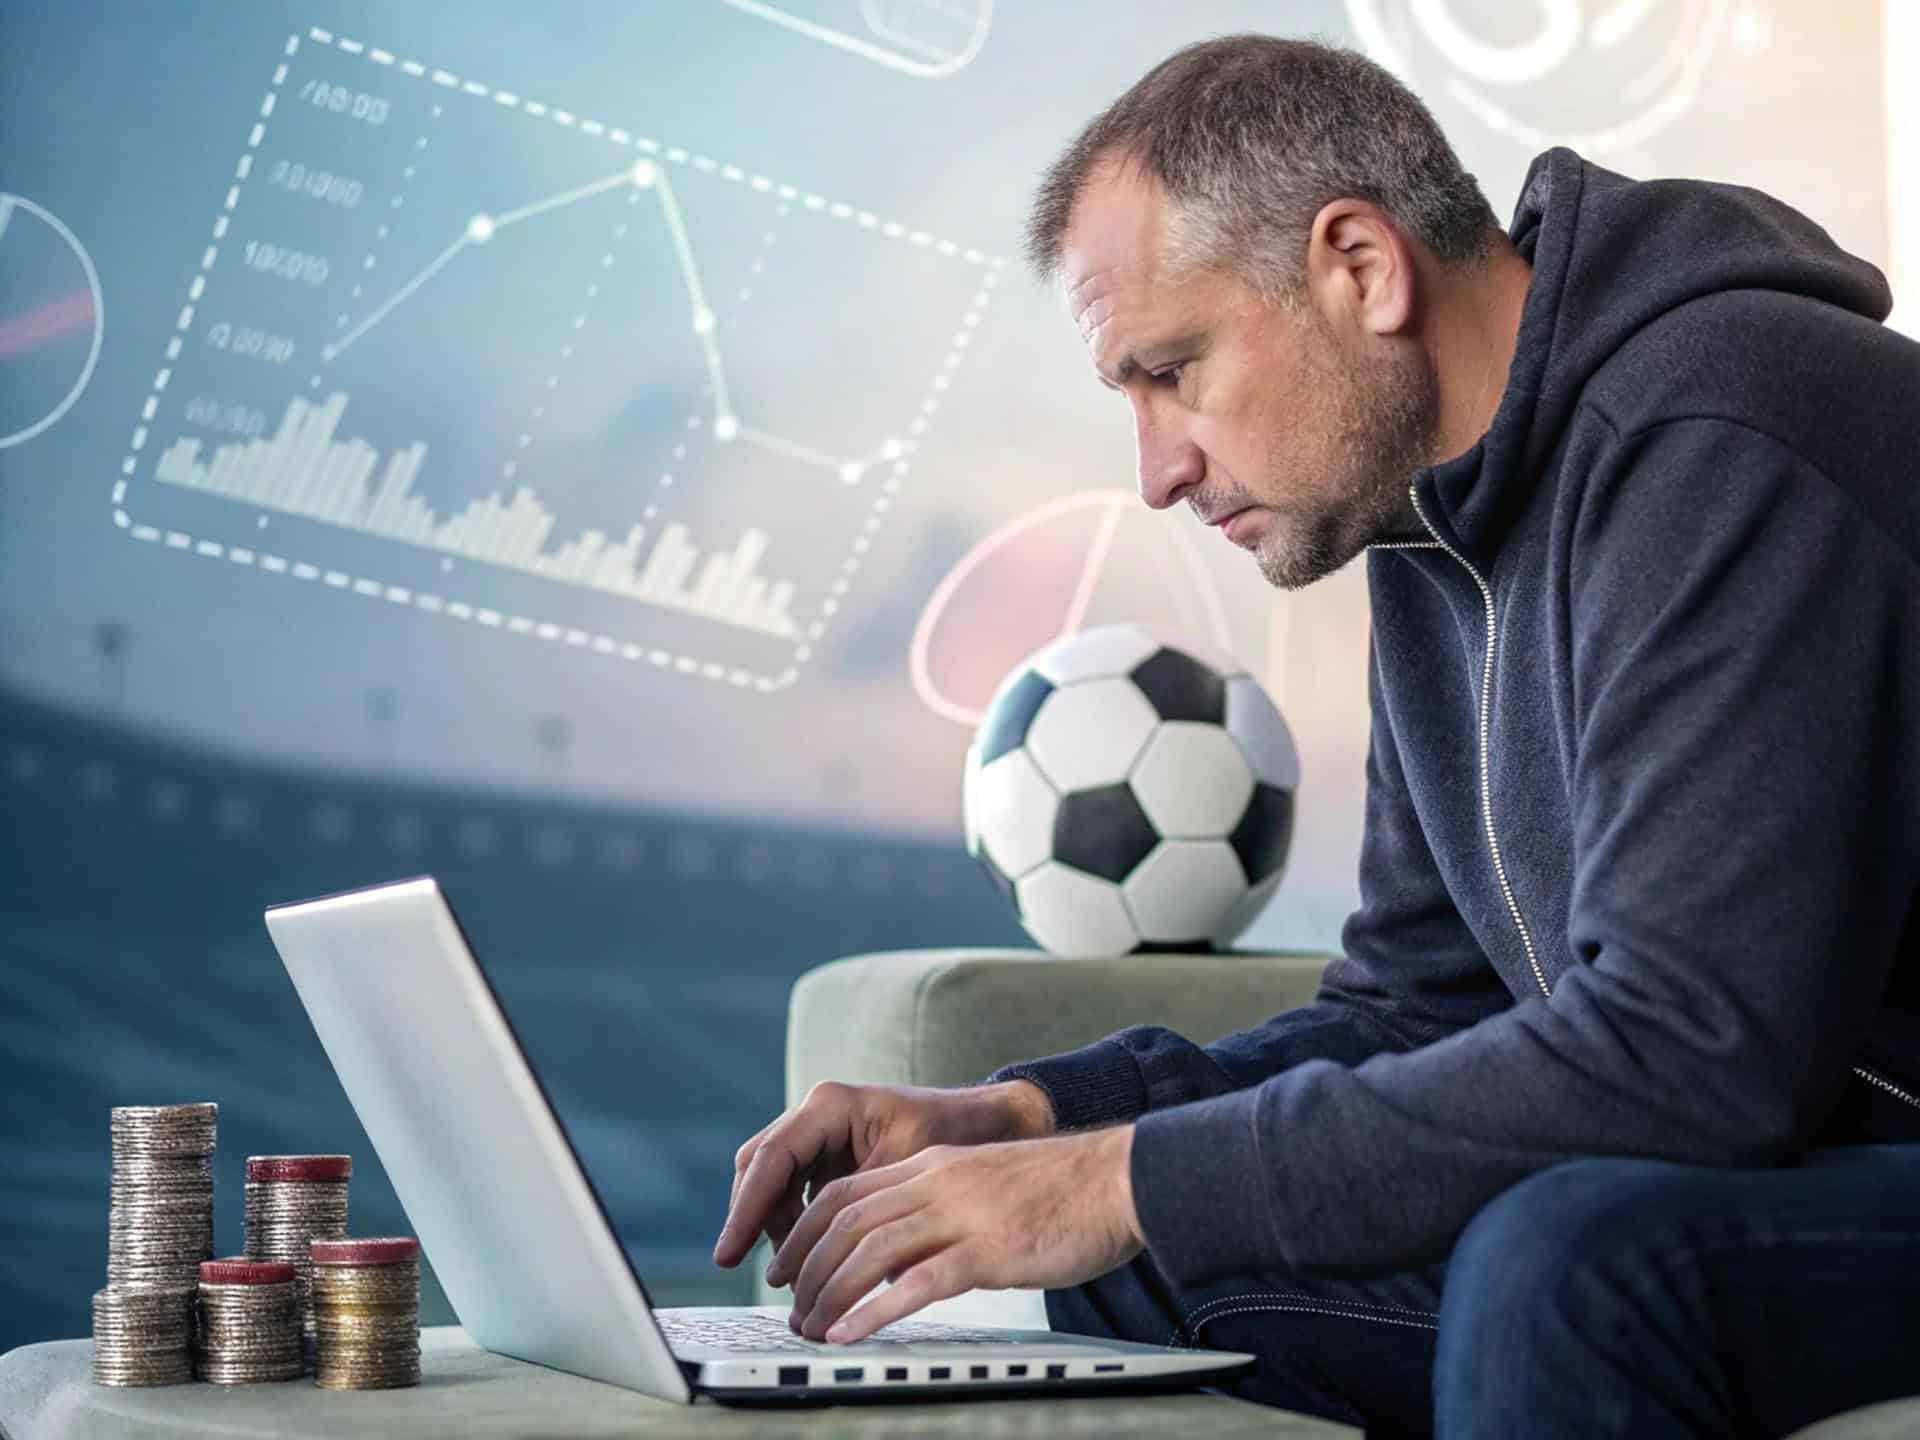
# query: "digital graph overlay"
[[279, 452], [930, 39]]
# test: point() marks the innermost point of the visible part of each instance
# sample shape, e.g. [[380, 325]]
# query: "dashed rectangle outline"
[[485, 616]]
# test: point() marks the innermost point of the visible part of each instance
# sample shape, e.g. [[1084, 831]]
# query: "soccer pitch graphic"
[[458, 349]]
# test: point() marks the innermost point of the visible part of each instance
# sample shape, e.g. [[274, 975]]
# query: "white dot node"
[[892, 449], [261, 522], [725, 427], [480, 229], [703, 322], [851, 472], [446, 565]]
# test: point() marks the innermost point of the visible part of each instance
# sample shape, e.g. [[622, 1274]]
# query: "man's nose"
[[1169, 464]]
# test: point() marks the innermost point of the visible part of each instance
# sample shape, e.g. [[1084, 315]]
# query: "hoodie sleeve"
[[1744, 675], [1411, 974]]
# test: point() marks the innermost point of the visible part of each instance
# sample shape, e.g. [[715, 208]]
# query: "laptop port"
[[1115, 1368], [940, 1372], [977, 1372], [793, 1374], [896, 1372], [1056, 1372], [1015, 1371], [848, 1372]]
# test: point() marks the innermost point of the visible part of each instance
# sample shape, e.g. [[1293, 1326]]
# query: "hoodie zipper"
[[1486, 722], [1486, 791], [1880, 1082]]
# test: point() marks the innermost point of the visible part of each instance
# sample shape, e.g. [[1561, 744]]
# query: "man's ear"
[[1360, 268]]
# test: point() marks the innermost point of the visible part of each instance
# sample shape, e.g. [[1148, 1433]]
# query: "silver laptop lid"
[[498, 1200]]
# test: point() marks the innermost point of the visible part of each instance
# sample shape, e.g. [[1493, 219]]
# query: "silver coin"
[[246, 1334], [142, 1336]]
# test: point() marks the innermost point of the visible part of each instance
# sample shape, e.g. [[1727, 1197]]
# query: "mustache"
[[1211, 507]]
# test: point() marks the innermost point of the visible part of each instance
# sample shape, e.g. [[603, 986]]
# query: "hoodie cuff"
[[1200, 1189], [1098, 1084]]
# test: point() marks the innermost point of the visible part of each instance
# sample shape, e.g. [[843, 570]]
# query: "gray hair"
[[1250, 135]]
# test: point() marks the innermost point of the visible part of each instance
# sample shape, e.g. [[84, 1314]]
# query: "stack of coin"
[[247, 1316], [366, 1308], [142, 1335], [160, 1220], [291, 1201]]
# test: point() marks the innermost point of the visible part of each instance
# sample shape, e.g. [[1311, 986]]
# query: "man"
[[1604, 1124]]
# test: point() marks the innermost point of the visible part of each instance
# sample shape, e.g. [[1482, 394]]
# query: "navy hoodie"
[[1640, 872]]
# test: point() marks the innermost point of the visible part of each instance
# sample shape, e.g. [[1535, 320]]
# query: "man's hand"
[[840, 1130], [1048, 1212]]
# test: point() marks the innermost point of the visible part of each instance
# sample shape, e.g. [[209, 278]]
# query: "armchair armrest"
[[952, 1017]]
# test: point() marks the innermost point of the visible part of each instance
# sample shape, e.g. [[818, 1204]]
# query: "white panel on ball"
[[1090, 734], [1244, 911], [1095, 654], [1192, 781], [1013, 809], [1263, 735], [1181, 890], [1072, 913], [969, 773]]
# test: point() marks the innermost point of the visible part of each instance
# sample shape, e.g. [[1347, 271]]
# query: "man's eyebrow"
[[1121, 373], [1146, 358]]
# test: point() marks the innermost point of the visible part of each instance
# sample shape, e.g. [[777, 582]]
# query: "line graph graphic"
[[449, 348]]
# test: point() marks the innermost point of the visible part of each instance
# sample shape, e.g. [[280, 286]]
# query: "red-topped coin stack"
[[366, 1307], [293, 1200], [248, 1322]]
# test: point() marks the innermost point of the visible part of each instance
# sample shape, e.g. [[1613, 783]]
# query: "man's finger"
[[777, 1162], [888, 1248], [938, 1277], [836, 1222], [744, 1156]]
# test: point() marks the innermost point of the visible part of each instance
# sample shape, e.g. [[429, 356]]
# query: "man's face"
[[1306, 436]]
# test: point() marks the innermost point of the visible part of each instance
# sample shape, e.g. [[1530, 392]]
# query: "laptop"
[[516, 1233]]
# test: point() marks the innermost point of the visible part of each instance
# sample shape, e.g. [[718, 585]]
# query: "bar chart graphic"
[[516, 366], [304, 470]]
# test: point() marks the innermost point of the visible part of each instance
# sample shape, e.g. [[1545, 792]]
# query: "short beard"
[[1385, 416]]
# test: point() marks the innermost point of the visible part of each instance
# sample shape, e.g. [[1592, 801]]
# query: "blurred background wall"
[[605, 454]]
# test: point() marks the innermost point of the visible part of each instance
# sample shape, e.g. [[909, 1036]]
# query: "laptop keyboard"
[[767, 1332]]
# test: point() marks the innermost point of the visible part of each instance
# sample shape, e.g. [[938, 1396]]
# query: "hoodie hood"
[[1610, 255]]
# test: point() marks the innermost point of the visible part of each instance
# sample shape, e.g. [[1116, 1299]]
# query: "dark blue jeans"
[[1599, 1298]]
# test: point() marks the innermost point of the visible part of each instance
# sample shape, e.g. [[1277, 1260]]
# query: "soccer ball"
[[1127, 790]]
